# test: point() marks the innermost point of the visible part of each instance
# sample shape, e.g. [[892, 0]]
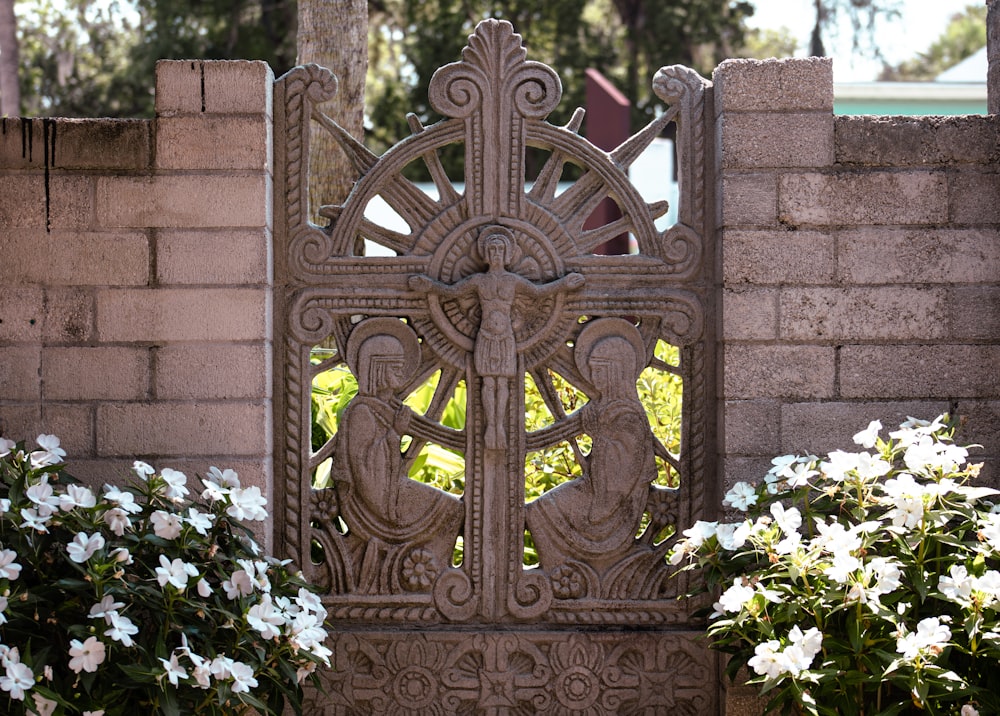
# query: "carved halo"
[[597, 330], [384, 326]]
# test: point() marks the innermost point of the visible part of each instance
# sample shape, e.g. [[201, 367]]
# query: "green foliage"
[[964, 35]]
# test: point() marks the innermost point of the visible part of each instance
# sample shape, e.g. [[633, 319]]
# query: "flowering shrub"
[[863, 583], [137, 599]]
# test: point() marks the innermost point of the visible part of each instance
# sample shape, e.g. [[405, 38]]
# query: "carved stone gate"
[[494, 283]]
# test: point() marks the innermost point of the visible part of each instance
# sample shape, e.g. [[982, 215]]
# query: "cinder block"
[[96, 373], [873, 198], [22, 313], [164, 315], [69, 315], [194, 429], [774, 85], [915, 141], [23, 203], [763, 140], [73, 424], [741, 469], [975, 313], [223, 257], [778, 371], [778, 257], [860, 314], [19, 373], [749, 314], [67, 258], [749, 200], [22, 143], [980, 426], [919, 255], [920, 371], [967, 190], [179, 87], [202, 201], [21, 421], [213, 371], [820, 428], [212, 142], [238, 86], [751, 427], [71, 202], [101, 143]]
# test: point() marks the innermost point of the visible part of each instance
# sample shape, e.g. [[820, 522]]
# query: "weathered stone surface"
[[211, 141], [749, 200], [869, 255], [752, 427], [916, 141], [233, 257], [67, 258], [179, 87], [866, 198], [779, 257], [920, 371], [238, 86], [778, 371], [749, 314], [767, 140], [96, 373], [858, 314], [22, 314], [974, 312], [774, 85], [971, 195], [102, 144], [19, 369], [213, 371]]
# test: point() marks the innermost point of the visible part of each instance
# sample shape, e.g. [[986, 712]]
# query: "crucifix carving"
[[492, 285]]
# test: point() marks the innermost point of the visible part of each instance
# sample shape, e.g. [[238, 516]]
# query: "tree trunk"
[[10, 92], [334, 34]]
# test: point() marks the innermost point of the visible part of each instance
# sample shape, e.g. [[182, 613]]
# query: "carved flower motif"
[[419, 570], [325, 505], [662, 506], [567, 583]]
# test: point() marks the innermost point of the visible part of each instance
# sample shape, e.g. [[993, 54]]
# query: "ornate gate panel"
[[493, 283]]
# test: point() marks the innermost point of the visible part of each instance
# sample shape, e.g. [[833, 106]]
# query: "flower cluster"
[[140, 599], [861, 583]]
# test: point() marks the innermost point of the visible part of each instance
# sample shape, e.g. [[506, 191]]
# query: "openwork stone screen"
[[491, 431]]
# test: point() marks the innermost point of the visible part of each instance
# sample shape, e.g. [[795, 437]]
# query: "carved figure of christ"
[[495, 350]]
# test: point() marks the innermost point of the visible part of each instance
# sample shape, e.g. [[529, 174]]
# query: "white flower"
[[741, 496], [247, 504], [869, 467], [201, 521], [9, 569], [166, 525], [733, 599], [867, 437], [76, 496], [204, 589], [50, 453], [42, 494], [700, 532], [800, 474], [117, 520], [4, 506], [121, 629], [37, 518], [142, 469], [243, 678], [223, 478], [768, 660], [844, 563], [176, 572], [125, 500], [173, 669], [44, 706], [886, 573], [969, 710], [957, 586], [732, 535], [106, 606], [6, 446], [176, 483], [931, 635], [799, 654], [839, 464], [94, 713], [221, 667], [264, 618], [18, 679], [86, 656], [239, 585], [788, 520], [83, 546]]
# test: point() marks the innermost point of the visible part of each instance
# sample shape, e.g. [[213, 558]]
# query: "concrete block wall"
[[135, 308], [860, 268]]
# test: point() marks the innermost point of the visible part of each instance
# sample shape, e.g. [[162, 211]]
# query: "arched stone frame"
[[666, 290]]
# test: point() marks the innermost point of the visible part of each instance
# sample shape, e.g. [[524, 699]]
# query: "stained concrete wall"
[[135, 265]]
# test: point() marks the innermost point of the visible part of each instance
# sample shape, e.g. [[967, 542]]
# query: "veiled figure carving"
[[401, 532], [585, 529]]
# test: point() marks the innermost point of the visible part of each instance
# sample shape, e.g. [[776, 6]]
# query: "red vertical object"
[[608, 125]]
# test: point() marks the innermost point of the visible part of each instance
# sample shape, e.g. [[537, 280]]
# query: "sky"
[[919, 24]]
